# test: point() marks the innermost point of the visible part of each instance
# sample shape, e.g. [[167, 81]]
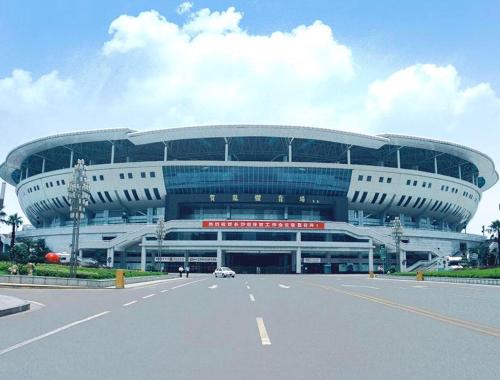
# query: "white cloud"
[[184, 7]]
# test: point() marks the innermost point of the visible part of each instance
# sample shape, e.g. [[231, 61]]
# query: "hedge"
[[57, 270], [464, 273]]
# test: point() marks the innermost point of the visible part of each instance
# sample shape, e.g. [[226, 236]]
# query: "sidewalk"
[[11, 305]]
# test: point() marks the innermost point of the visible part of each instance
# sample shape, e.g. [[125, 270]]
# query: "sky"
[[425, 68]]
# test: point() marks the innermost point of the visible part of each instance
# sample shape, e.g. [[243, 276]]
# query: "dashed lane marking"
[[36, 303], [248, 287], [129, 303], [188, 283], [284, 286], [40, 337], [264, 337], [360, 286], [164, 290], [252, 298], [149, 296], [213, 286]]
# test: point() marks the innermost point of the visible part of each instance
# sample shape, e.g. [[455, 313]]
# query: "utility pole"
[[397, 234], [161, 229], [78, 194]]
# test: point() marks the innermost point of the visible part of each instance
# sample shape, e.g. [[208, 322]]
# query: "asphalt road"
[[256, 327]]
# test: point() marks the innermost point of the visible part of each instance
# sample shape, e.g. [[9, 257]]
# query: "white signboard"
[[311, 260], [179, 259]]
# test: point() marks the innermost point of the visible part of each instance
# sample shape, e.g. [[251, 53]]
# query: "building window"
[[94, 178], [130, 176], [403, 197], [363, 197], [407, 201], [127, 195], [389, 180], [63, 181], [101, 197], [369, 178], [424, 184], [134, 193], [414, 183], [157, 193], [416, 202], [143, 174], [429, 185], [122, 176], [381, 179], [58, 183], [360, 177], [382, 199], [152, 174], [148, 194], [375, 197], [355, 197], [101, 177], [108, 197], [408, 182]]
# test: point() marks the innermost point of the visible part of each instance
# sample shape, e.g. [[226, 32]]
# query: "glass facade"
[[256, 180]]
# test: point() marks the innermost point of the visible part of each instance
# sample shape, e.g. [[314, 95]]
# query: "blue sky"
[[426, 68], [35, 34]]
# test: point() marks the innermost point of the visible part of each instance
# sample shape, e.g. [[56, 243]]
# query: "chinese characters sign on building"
[[265, 224]]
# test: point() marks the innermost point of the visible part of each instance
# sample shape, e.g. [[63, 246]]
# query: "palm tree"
[[495, 229], [2, 215], [15, 221]]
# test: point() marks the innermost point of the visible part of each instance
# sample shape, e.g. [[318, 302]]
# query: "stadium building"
[[257, 198]]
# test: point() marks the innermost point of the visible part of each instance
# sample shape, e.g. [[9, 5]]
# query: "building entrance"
[[259, 262]]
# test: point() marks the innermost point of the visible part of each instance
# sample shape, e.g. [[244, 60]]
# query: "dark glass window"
[[382, 199], [375, 197], [130, 175], [369, 178], [403, 197], [381, 179], [360, 177], [108, 197], [101, 177], [143, 174], [127, 195], [101, 197], [152, 174], [363, 197], [122, 176], [134, 193], [156, 193], [355, 197], [408, 182], [414, 183], [148, 194], [407, 201]]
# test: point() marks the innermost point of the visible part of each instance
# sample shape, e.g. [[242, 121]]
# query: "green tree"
[[495, 230], [15, 221]]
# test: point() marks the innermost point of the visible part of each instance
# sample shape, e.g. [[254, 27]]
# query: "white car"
[[224, 272]]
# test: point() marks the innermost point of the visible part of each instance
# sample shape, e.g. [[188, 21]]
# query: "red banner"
[[264, 224]]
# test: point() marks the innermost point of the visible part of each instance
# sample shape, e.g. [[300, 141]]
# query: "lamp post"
[[78, 194], [161, 229], [397, 234]]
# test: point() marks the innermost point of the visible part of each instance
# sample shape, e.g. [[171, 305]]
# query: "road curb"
[[15, 305]]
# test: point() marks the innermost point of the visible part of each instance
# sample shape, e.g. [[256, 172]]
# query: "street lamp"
[[78, 194], [397, 234], [161, 229]]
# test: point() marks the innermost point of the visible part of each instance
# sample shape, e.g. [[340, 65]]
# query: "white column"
[[290, 151], [71, 158], [110, 255], [165, 151], [460, 171], [43, 165], [143, 257], [370, 260], [80, 253], [429, 256], [27, 171], [435, 165], [398, 158], [349, 155], [112, 152], [298, 260], [226, 149], [219, 257]]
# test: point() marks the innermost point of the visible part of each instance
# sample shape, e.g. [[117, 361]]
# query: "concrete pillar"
[[186, 259], [43, 165], [110, 257], [402, 258], [398, 158], [27, 171], [71, 156], [143, 257], [219, 257], [226, 149], [298, 260], [290, 151], [370, 260], [435, 165], [165, 152], [349, 156], [429, 256], [112, 152], [460, 171], [80, 253]]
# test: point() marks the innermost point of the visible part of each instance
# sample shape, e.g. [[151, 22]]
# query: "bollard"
[[420, 276], [120, 279], [371, 275]]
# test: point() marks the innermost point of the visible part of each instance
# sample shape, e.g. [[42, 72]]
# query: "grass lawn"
[[58, 270], [467, 273]]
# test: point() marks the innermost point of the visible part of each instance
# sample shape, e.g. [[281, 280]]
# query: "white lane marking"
[[419, 286], [252, 298], [129, 303], [360, 286], [188, 283], [213, 286], [36, 303], [284, 286], [164, 290], [149, 296], [39, 337], [149, 284], [248, 287], [264, 337]]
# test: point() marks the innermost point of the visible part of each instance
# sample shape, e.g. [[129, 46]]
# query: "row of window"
[[369, 179], [50, 184], [409, 182], [143, 175], [131, 195]]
